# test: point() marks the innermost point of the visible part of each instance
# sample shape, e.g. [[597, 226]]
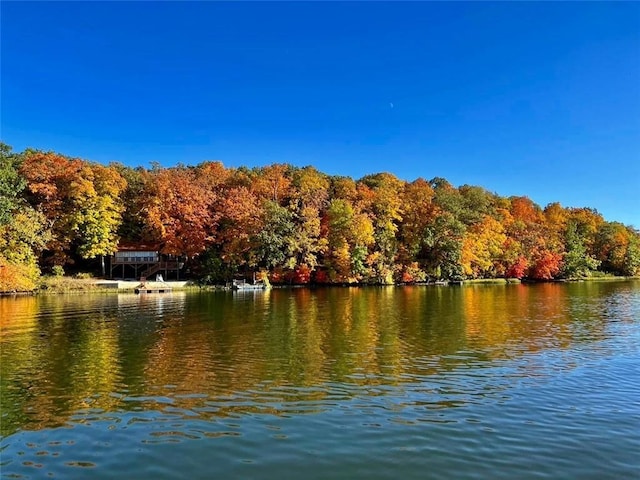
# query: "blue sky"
[[538, 99]]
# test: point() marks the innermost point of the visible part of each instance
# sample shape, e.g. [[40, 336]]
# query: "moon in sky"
[[391, 104]]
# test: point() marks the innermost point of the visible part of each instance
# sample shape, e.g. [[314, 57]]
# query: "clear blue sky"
[[537, 99]]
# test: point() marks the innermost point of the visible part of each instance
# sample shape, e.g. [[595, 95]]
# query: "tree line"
[[298, 225]]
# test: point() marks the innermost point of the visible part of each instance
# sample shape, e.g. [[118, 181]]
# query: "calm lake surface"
[[512, 381]]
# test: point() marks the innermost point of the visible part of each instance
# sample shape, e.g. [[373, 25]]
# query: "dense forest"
[[298, 225]]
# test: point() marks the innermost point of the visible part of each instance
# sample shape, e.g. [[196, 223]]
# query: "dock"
[[153, 287]]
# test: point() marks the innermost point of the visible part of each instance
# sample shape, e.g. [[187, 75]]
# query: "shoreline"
[[70, 285]]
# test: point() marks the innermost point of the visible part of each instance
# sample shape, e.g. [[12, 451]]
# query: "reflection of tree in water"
[[283, 352]]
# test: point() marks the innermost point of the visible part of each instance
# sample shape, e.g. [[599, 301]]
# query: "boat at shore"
[[243, 285]]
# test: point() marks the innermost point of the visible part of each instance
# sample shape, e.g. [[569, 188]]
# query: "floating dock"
[[153, 287]]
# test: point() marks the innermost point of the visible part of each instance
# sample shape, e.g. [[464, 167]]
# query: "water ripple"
[[522, 382]]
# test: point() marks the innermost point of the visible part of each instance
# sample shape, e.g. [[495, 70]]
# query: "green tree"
[[443, 237], [476, 204], [275, 242], [577, 261], [631, 266], [442, 255], [11, 183]]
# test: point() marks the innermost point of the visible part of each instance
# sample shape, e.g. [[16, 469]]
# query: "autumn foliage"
[[298, 224]]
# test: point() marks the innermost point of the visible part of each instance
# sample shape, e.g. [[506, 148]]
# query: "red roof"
[[124, 246]]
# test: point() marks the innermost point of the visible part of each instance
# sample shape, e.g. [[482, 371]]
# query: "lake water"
[[512, 381]]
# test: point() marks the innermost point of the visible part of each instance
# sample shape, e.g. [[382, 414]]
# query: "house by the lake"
[[142, 261]]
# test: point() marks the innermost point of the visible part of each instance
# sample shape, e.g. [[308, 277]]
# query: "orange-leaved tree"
[[80, 201], [179, 210]]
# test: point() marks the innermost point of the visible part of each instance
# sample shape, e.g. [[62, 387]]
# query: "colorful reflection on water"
[[477, 381]]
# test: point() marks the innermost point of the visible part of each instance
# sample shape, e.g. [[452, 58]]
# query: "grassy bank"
[[604, 278], [64, 284], [49, 284]]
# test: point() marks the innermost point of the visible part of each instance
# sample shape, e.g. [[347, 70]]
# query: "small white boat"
[[243, 285]]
